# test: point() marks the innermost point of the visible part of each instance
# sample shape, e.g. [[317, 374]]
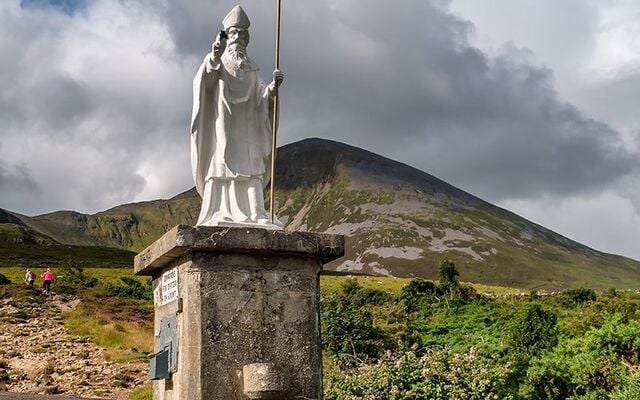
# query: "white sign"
[[168, 287]]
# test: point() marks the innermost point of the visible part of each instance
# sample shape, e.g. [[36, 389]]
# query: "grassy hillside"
[[32, 255], [398, 221], [130, 226], [21, 234]]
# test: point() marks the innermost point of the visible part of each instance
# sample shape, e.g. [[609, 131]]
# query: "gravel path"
[[39, 356]]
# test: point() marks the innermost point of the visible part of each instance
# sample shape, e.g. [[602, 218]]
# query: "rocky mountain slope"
[[399, 221]]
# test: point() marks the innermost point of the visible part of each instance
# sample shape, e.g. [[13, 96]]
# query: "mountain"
[[398, 221]]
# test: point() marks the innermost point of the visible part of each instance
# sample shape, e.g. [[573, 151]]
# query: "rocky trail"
[[38, 355]]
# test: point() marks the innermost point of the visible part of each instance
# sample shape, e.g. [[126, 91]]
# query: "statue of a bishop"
[[231, 130]]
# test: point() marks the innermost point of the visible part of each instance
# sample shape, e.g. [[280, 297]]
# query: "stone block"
[[247, 311]]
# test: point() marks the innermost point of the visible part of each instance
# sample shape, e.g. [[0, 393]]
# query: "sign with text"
[[167, 290]]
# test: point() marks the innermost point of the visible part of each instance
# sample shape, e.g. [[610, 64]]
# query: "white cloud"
[[617, 49], [88, 98]]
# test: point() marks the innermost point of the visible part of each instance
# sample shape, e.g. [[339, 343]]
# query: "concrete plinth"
[[247, 300]]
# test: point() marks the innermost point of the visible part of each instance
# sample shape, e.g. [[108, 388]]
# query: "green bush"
[[465, 292], [534, 330], [438, 374], [412, 293], [73, 274], [594, 313], [579, 295], [350, 287], [629, 392], [348, 333], [131, 288], [4, 280], [372, 296], [588, 366]]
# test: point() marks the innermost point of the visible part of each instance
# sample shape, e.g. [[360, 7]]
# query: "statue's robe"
[[230, 136]]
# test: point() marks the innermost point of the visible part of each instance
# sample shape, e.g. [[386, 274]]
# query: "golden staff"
[[275, 118]]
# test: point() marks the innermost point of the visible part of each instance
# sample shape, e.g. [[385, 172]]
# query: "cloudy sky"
[[527, 104]]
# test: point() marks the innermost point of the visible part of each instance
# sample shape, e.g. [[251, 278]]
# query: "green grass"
[[123, 326], [30, 256], [104, 275], [332, 283], [142, 393]]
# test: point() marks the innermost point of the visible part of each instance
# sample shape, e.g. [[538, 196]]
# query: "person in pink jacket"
[[47, 277]]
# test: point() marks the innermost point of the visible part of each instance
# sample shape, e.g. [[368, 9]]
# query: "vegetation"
[[426, 341], [34, 255], [380, 204], [448, 274], [131, 288], [123, 326], [146, 393], [391, 338]]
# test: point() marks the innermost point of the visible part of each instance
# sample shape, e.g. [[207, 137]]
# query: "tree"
[[448, 274]]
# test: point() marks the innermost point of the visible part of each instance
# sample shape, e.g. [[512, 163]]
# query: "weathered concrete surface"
[[264, 381], [248, 296], [184, 238]]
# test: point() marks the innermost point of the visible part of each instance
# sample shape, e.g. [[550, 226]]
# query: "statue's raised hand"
[[218, 46], [278, 78]]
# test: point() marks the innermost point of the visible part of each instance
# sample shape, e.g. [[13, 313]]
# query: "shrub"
[[73, 274], [373, 296], [4, 280], [412, 292], [465, 292], [534, 330], [131, 288], [348, 333], [448, 274], [629, 392], [595, 313], [591, 365], [350, 287], [579, 295], [122, 379], [437, 374]]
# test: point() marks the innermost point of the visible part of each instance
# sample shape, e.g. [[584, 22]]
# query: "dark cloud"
[[405, 82], [17, 188], [402, 80]]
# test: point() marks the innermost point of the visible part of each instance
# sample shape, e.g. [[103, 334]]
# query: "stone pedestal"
[[245, 310]]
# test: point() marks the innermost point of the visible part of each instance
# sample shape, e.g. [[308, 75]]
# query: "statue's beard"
[[235, 58]]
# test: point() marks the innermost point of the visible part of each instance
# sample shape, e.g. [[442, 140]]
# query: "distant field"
[[328, 283], [331, 282], [28, 255], [106, 275]]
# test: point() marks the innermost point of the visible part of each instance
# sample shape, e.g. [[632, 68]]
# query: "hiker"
[[47, 276], [30, 277]]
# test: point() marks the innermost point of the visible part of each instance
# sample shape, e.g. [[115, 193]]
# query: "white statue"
[[231, 131]]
